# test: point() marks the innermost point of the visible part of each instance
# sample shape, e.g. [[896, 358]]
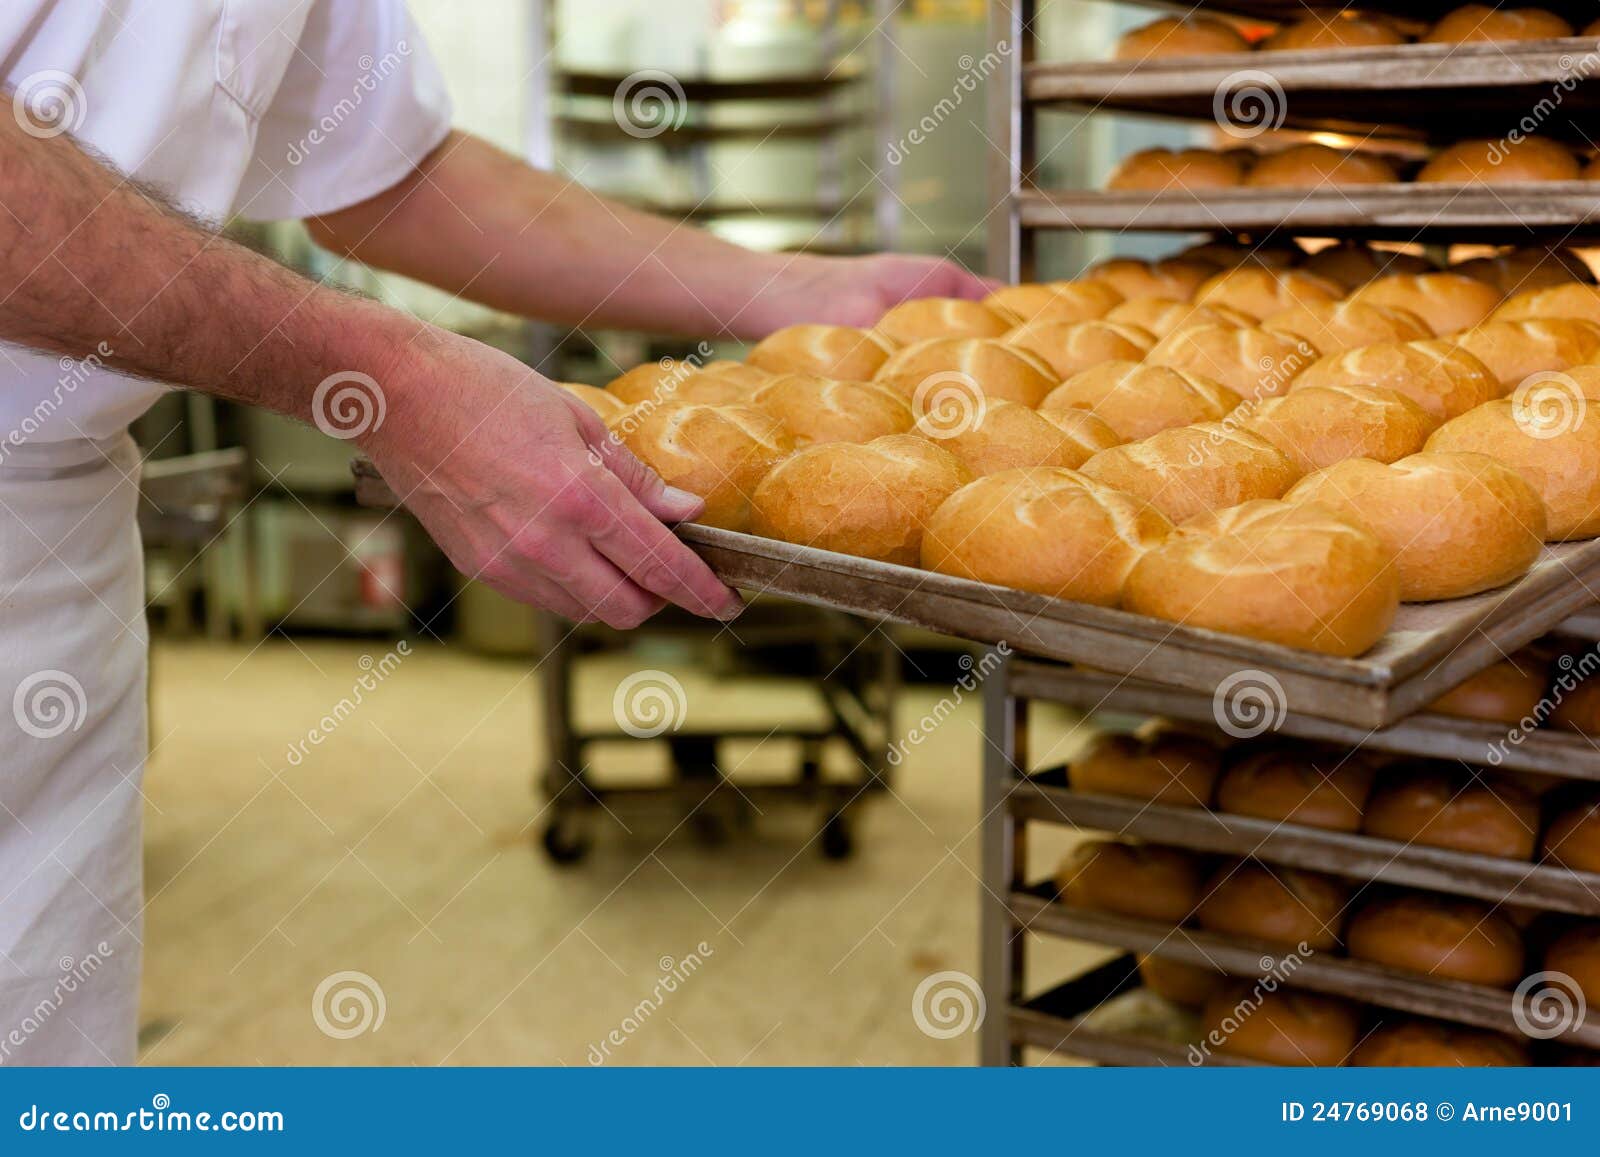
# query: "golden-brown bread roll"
[[1047, 530], [1540, 433], [1281, 1027], [925, 317], [1352, 264], [1167, 170], [871, 499], [1579, 301], [1229, 254], [1142, 880], [1159, 316], [1434, 806], [1347, 325], [1573, 838], [1054, 301], [1279, 905], [1439, 376], [1167, 767], [1264, 292], [1418, 1044], [817, 409], [1298, 783], [670, 380], [1448, 302], [1516, 350], [1138, 401], [1506, 692], [1593, 29], [1574, 953], [602, 402], [717, 452], [1520, 270], [1173, 278], [1318, 166], [1070, 347], [1321, 425], [1474, 23], [736, 372], [1457, 524], [1253, 363], [1502, 162], [1347, 30], [829, 351], [1191, 470], [1577, 700], [1182, 983], [1299, 575], [982, 366], [1180, 36], [1440, 936], [997, 435]]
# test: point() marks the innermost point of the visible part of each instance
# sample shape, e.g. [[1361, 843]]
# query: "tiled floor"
[[404, 847]]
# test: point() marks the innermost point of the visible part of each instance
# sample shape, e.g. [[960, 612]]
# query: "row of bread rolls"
[[1314, 166], [1548, 685], [1185, 36]]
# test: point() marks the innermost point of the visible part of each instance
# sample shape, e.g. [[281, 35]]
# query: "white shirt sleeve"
[[361, 103]]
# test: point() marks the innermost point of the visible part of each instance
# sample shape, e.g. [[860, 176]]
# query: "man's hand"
[[858, 290]]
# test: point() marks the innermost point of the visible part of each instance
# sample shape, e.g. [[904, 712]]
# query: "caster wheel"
[[565, 842], [837, 842]]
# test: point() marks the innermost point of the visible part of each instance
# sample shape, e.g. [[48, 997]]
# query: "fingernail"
[[733, 609], [679, 497]]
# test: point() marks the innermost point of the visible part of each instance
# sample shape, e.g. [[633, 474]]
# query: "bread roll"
[[1280, 905], [1349, 30], [1579, 301], [1168, 170], [1593, 29], [1173, 278], [1298, 783], [1253, 363], [1158, 316], [1322, 425], [1541, 435], [1577, 700], [829, 351], [1230, 254], [1521, 270], [602, 402], [1298, 575], [1439, 376], [670, 380], [717, 452], [1506, 692], [1138, 401], [1347, 325], [1410, 1044], [1433, 806], [738, 373], [1181, 36], [1502, 162], [1448, 302], [1186, 984], [1516, 350], [1352, 264], [1575, 953], [1144, 880], [999, 435], [1457, 524], [1071, 347], [1475, 23], [1264, 292], [1191, 470], [926, 317], [817, 409], [1167, 767], [982, 366], [1051, 531], [871, 499], [1054, 301], [1440, 936], [1281, 1027], [1318, 166], [1573, 839]]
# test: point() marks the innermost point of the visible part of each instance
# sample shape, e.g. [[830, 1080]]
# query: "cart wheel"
[[838, 843], [565, 841]]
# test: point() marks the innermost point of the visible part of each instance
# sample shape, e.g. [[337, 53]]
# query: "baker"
[[129, 127]]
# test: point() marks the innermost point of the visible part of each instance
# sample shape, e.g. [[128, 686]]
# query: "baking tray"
[[1560, 753], [1047, 798], [1579, 12]]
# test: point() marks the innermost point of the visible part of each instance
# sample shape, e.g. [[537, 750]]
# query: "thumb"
[[667, 503]]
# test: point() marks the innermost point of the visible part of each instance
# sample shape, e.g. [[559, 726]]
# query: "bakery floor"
[[405, 847]]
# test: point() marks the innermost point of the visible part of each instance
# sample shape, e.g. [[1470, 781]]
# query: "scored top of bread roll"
[[1351, 264], [1579, 301], [1173, 278], [998, 435], [1346, 325], [737, 372], [1163, 170], [1159, 316], [1140, 400], [1321, 425], [817, 409], [1433, 1044], [1285, 1028], [670, 380], [1164, 767], [1502, 162], [831, 351], [1264, 292], [1298, 784], [1520, 270], [984, 366], [1299, 575], [1480, 22], [1189, 470], [1448, 302], [1347, 30], [871, 499], [1143, 880], [1181, 36], [1253, 363], [1315, 166], [925, 317], [1280, 905], [1054, 301], [1070, 347], [1052, 531], [1433, 805], [1506, 692], [1440, 377], [1516, 350], [602, 402]]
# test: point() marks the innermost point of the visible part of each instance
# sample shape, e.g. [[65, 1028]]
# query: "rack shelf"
[[1580, 12]]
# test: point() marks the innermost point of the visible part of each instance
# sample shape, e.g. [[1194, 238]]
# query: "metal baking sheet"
[[1579, 12]]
